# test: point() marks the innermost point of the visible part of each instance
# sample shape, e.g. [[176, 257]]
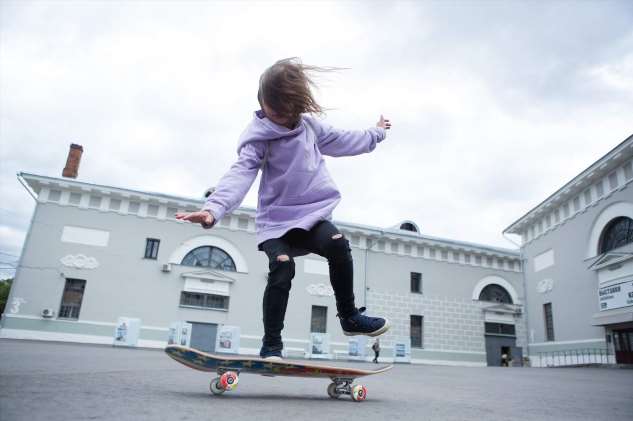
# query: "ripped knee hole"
[[337, 236], [283, 258]]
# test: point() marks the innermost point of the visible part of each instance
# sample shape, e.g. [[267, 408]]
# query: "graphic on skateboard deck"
[[229, 367]]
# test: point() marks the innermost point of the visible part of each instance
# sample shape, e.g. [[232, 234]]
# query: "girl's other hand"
[[384, 123], [200, 217]]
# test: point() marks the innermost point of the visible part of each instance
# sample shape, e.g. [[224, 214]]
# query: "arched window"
[[617, 233], [211, 257], [496, 294], [408, 226]]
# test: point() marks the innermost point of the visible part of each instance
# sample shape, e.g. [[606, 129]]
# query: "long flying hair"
[[285, 87]]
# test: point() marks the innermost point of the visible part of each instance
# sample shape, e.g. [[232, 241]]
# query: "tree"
[[5, 287]]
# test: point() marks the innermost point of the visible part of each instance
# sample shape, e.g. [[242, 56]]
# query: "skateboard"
[[229, 367]]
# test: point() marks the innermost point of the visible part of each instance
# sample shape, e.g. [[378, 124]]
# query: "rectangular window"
[[319, 319], [556, 216], [115, 204], [71, 300], [210, 301], [565, 209], [152, 210], [628, 171], [500, 329], [151, 248], [416, 282], [407, 249], [613, 180], [587, 196], [444, 254], [416, 331], [599, 188], [133, 207], [467, 258], [54, 195], [95, 202], [432, 253], [549, 322], [74, 199]]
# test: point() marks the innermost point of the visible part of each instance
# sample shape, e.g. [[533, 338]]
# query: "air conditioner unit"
[[48, 313], [167, 267]]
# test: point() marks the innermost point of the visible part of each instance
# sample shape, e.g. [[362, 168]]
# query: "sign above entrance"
[[616, 296]]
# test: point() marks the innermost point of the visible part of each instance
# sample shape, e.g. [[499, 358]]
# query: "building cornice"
[[161, 206], [584, 190]]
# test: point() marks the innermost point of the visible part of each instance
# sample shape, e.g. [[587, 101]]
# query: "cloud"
[[488, 100]]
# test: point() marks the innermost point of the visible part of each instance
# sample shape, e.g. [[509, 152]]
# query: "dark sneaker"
[[358, 324], [271, 352]]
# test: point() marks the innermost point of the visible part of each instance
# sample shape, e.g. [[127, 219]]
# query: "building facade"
[[95, 253], [577, 248]]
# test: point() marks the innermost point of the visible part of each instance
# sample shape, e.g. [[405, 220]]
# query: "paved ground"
[[52, 381]]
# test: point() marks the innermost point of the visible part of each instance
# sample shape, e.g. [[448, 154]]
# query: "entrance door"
[[203, 336], [496, 346], [623, 342]]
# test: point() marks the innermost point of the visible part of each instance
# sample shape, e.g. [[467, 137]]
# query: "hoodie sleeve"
[[234, 185], [335, 142]]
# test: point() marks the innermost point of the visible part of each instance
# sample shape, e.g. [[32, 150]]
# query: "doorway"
[[203, 336], [623, 344]]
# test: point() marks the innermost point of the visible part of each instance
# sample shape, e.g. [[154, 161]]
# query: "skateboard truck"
[[343, 386]]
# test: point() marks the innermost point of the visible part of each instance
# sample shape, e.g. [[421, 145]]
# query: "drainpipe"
[[368, 247], [523, 266]]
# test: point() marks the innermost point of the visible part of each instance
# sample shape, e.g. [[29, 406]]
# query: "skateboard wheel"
[[359, 393], [331, 390], [215, 387], [228, 380]]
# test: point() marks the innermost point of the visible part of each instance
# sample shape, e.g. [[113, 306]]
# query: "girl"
[[296, 194]]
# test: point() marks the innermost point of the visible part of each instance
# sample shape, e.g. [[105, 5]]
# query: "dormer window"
[[408, 226]]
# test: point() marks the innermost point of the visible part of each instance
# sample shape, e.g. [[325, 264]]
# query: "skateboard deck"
[[229, 367]]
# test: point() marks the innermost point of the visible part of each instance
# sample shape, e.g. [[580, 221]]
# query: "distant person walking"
[[376, 348]]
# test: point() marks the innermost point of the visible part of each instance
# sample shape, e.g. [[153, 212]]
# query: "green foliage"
[[5, 287]]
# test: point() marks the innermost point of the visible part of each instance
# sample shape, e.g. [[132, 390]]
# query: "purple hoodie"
[[296, 190]]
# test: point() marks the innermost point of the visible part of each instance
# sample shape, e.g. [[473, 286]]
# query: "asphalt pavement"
[[63, 381]]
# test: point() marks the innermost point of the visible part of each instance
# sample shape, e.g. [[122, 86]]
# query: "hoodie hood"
[[262, 129]]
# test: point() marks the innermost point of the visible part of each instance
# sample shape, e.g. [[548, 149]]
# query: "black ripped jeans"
[[297, 242]]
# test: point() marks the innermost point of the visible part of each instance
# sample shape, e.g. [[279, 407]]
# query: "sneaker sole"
[[273, 358], [378, 332]]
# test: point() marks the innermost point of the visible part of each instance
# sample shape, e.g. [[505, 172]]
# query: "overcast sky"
[[494, 105]]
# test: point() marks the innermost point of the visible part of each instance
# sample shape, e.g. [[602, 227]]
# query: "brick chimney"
[[72, 163]]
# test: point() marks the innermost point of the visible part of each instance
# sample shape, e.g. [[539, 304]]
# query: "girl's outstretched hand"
[[384, 123], [201, 217]]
